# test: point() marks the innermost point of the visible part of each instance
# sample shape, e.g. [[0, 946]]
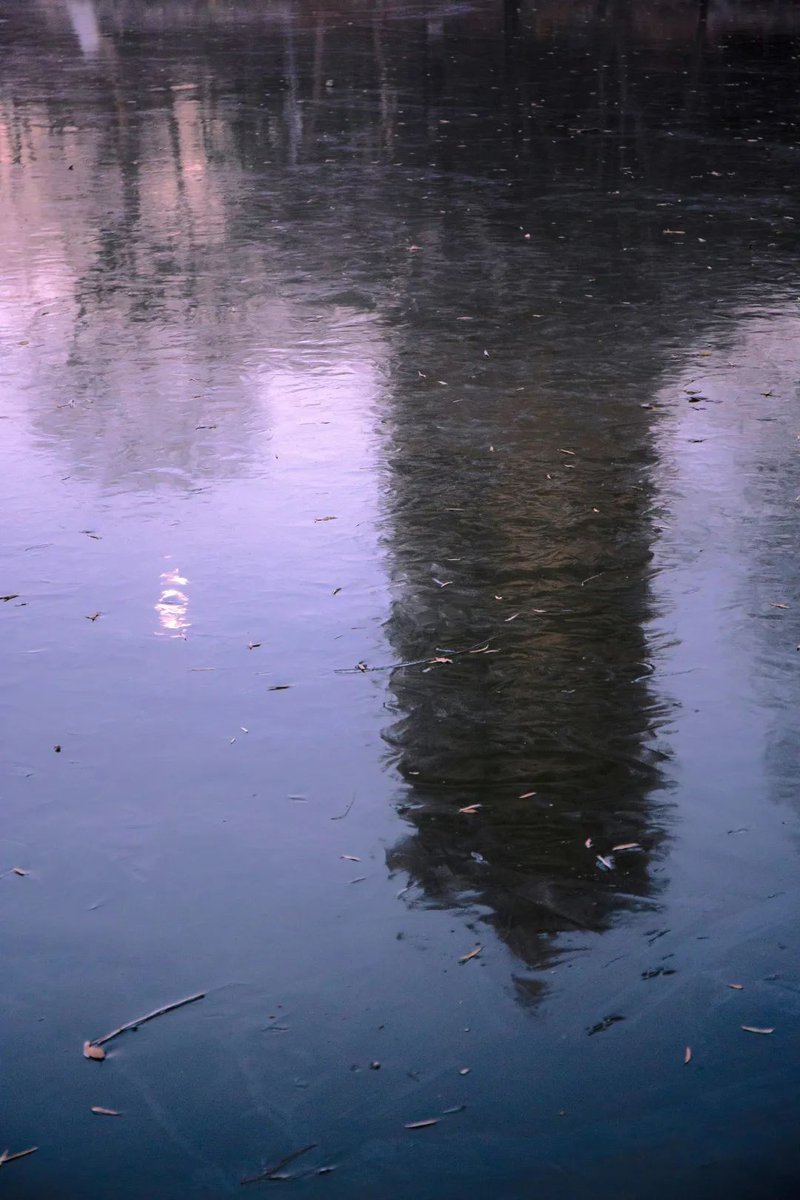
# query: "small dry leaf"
[[105, 1112], [349, 858], [422, 1124], [92, 1051], [687, 1054], [470, 808], [626, 846], [472, 954], [5, 1157], [527, 795], [755, 1029], [19, 871], [737, 987]]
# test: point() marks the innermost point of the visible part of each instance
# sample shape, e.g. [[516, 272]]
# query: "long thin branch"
[[158, 1012], [342, 816], [5, 1157], [272, 1171]]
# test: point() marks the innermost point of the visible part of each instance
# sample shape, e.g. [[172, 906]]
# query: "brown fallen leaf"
[[626, 846], [472, 954], [422, 1124], [737, 987], [19, 871], [470, 808], [687, 1054], [5, 1157], [105, 1112], [92, 1051], [755, 1029]]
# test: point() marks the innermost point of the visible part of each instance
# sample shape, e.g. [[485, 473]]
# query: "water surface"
[[398, 417]]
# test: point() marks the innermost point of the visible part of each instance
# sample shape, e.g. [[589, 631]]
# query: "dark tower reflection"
[[524, 566]]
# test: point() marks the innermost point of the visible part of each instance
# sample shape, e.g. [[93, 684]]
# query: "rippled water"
[[399, 475]]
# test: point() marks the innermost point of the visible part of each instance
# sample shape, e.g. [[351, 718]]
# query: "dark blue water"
[[399, 513]]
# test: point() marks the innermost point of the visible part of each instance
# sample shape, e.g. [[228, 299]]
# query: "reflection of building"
[[520, 526]]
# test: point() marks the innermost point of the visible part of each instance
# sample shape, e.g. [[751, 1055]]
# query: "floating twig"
[[5, 1157], [342, 816], [158, 1012], [272, 1171]]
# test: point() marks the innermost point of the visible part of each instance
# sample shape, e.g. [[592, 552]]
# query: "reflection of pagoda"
[[540, 530]]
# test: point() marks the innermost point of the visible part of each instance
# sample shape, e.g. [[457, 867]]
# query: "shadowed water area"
[[399, 476]]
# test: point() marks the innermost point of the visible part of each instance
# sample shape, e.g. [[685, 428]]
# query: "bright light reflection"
[[173, 605]]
